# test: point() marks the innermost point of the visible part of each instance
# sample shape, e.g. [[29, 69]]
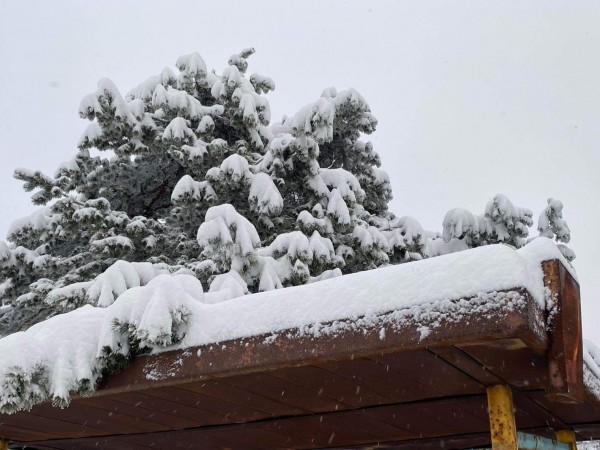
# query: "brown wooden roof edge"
[[565, 350], [523, 320], [399, 330]]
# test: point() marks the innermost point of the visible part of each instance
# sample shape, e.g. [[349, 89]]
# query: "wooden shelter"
[[421, 384]]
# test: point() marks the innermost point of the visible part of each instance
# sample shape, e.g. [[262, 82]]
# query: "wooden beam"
[[503, 428], [568, 437], [291, 348], [565, 352]]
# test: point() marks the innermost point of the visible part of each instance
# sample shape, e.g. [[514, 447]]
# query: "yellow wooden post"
[[3, 445], [568, 437], [503, 428]]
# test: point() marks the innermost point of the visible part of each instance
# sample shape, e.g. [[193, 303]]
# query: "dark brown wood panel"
[[48, 425], [194, 416], [111, 412], [143, 417], [565, 353], [306, 399], [568, 413], [78, 413], [362, 425], [223, 411], [512, 362], [415, 422], [245, 436], [95, 443], [331, 385], [466, 364], [587, 431], [396, 422], [249, 400], [15, 433], [365, 372], [262, 353], [324, 430], [433, 373], [469, 441], [301, 434], [523, 401]]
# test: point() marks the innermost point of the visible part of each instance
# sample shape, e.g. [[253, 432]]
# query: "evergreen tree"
[[552, 225], [502, 222], [186, 173]]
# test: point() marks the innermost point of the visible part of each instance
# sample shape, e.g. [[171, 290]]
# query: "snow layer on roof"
[[66, 353], [454, 276]]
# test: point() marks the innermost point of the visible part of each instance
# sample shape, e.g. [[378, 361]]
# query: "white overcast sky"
[[473, 98]]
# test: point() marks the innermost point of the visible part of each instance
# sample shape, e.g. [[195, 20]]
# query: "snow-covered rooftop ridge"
[[172, 312], [453, 276]]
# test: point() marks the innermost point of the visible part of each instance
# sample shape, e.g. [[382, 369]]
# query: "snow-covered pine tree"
[[502, 222], [552, 225], [186, 173]]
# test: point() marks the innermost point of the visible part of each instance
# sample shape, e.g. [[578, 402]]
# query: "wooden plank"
[[331, 385], [432, 373], [468, 441], [529, 412], [300, 434], [366, 373], [237, 396], [245, 436], [565, 354], [168, 414], [78, 413], [302, 398], [102, 409], [465, 363], [468, 414], [341, 429], [291, 348], [223, 411], [9, 432], [445, 421], [47, 425], [96, 443], [568, 413], [587, 431], [140, 415], [349, 427], [436, 418], [512, 362], [191, 414]]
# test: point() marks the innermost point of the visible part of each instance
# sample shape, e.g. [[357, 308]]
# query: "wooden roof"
[[391, 386]]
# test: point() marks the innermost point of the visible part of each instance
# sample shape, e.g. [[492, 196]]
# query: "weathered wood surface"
[[565, 353], [524, 321]]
